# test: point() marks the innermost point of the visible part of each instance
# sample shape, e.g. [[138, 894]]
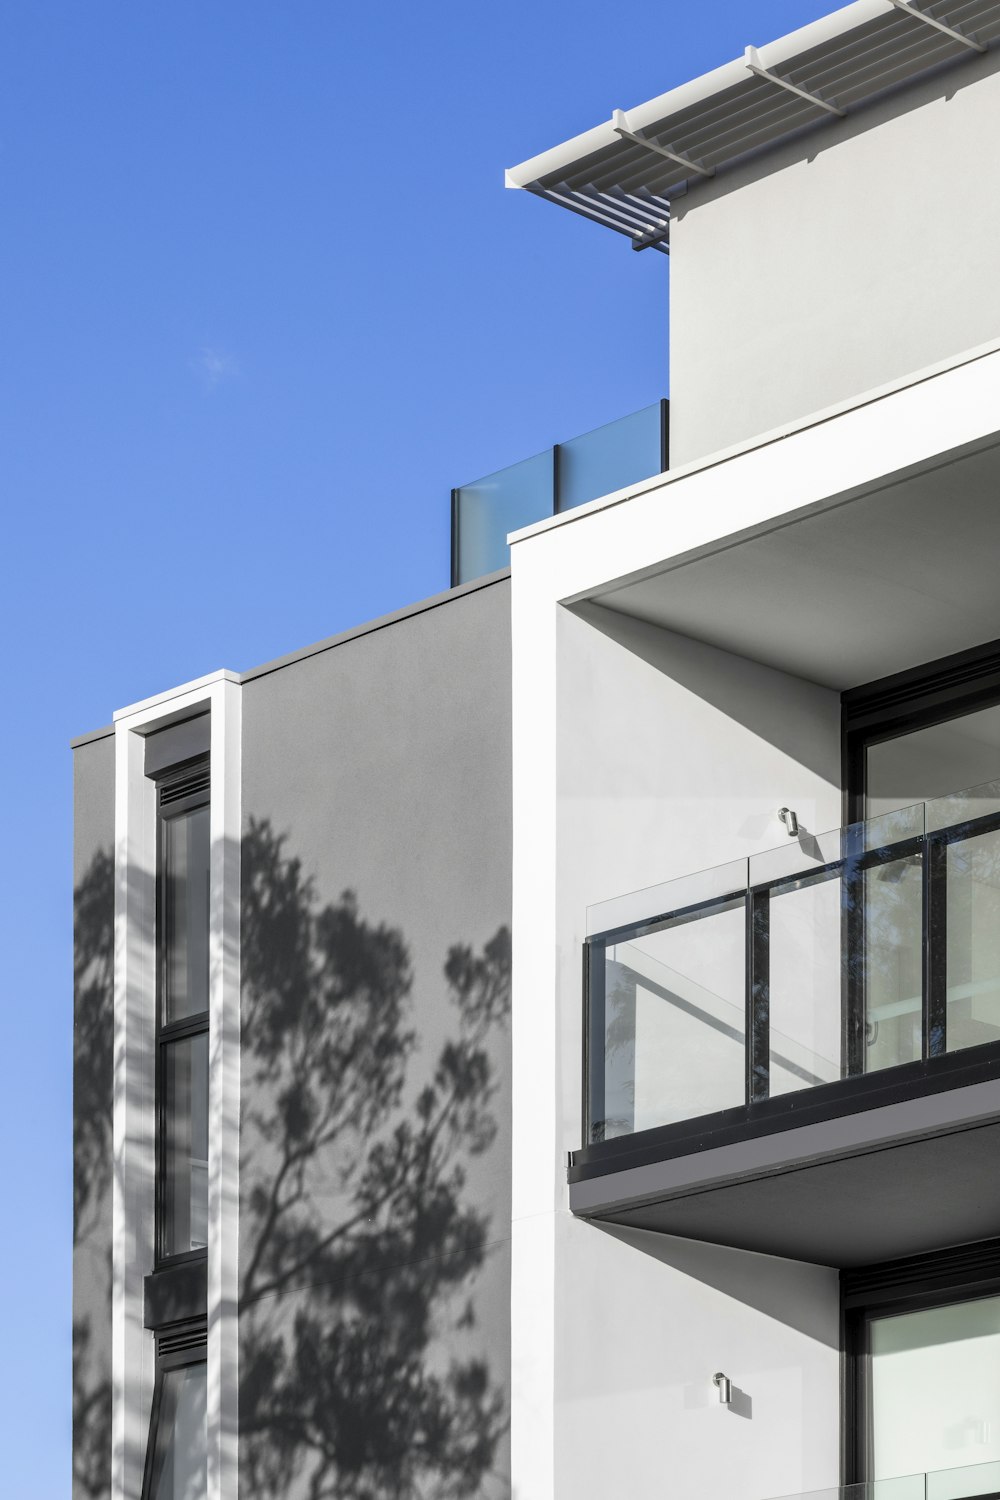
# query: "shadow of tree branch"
[[354, 1198]]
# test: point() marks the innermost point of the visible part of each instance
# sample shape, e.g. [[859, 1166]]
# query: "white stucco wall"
[[639, 755], [673, 756], [860, 254]]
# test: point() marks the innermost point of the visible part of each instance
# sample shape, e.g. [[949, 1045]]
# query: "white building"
[[746, 1241], [759, 1160]]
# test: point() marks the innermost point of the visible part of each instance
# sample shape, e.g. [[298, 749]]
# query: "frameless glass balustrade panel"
[[490, 508], [929, 762], [674, 1023], [180, 1456], [973, 941], [892, 963], [185, 1145], [969, 1482], [805, 983], [185, 914], [610, 457], [974, 1482], [935, 1395], [906, 1487]]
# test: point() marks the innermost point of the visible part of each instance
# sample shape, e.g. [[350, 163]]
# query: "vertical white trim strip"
[[224, 1098], [134, 1083], [536, 1190], [133, 1107]]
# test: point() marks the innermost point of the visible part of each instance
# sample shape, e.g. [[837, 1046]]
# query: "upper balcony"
[[799, 1052], [620, 453]]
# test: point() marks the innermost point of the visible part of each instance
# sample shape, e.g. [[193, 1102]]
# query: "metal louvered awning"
[[623, 173]]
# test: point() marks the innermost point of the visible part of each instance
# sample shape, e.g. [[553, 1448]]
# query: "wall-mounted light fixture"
[[790, 821], [725, 1388]]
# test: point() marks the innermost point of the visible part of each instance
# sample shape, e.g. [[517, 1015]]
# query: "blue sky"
[[265, 300]]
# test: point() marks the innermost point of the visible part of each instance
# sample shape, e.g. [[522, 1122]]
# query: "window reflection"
[[179, 1468], [185, 1154]]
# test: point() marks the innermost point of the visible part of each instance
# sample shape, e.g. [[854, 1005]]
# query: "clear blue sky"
[[265, 300]]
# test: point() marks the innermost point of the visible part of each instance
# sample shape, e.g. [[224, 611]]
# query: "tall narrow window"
[[177, 1455], [182, 1167]]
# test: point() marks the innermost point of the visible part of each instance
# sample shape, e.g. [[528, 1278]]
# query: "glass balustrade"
[[855, 952], [975, 1482], [620, 453]]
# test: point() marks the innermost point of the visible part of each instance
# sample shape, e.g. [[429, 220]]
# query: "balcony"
[[569, 474], [776, 1045], [976, 1482]]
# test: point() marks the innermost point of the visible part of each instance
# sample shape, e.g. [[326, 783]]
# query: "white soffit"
[[880, 583], [622, 173]]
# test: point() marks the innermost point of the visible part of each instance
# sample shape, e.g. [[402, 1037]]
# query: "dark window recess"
[[183, 859], [176, 1465], [921, 1341], [921, 733]]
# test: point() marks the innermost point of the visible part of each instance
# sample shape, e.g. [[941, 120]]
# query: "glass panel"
[[964, 1483], [185, 914], [893, 963], [930, 762], [963, 807], [610, 457], [179, 1469], [805, 983], [905, 1487], [645, 907], [503, 502], [935, 1382], [185, 1145], [973, 944], [672, 1038]]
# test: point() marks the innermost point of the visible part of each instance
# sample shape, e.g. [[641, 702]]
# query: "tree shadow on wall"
[[371, 1380], [93, 1040]]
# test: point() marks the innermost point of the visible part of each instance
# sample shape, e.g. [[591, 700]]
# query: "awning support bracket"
[[753, 62], [929, 20], [619, 124]]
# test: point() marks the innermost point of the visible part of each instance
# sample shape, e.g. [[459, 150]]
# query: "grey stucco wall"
[[93, 882], [854, 257], [375, 1123]]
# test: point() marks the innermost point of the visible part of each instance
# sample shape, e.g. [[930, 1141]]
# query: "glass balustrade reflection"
[[971, 1482], [836, 955]]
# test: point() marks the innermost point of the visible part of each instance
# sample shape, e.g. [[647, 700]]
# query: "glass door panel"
[[973, 947], [935, 1390], [893, 963]]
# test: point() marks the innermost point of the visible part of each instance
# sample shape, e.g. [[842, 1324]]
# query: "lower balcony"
[[799, 1053], [978, 1482]]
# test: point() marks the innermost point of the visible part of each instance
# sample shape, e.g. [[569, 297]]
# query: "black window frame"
[[938, 1279], [177, 1347], [892, 706], [173, 800]]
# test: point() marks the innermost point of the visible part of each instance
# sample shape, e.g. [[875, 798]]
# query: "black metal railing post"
[[935, 946], [758, 987]]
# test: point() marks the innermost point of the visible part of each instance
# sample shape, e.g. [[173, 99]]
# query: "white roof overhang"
[[623, 173]]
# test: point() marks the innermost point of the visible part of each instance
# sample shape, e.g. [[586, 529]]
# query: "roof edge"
[[695, 91]]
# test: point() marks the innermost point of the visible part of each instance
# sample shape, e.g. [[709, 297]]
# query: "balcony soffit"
[[872, 586]]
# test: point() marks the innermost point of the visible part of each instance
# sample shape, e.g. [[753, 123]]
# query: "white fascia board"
[[696, 91], [824, 456], [185, 689]]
